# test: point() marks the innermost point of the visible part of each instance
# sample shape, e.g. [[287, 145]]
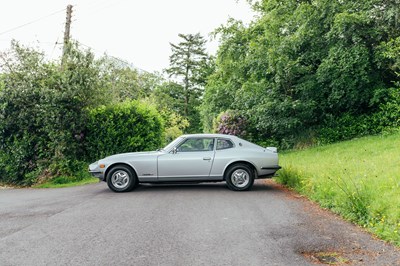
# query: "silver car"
[[190, 158]]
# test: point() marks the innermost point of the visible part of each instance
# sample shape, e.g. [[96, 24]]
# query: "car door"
[[191, 160], [224, 154]]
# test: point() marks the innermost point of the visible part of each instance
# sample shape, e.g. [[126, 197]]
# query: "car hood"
[[131, 154]]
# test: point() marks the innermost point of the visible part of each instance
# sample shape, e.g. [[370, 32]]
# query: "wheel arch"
[[251, 165], [111, 166]]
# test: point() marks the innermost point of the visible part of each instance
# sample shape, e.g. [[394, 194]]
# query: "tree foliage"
[[43, 110], [122, 81], [168, 98], [302, 62], [45, 113], [190, 65]]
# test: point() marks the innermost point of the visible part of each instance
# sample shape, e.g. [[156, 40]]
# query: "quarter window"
[[223, 144]]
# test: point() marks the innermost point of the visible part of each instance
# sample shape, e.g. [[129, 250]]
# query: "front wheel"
[[239, 177], [121, 179]]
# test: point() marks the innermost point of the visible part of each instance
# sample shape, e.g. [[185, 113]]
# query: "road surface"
[[204, 224]]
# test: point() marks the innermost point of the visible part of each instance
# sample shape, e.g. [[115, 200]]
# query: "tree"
[[228, 74], [302, 62], [122, 81], [43, 111], [190, 64], [168, 99], [48, 113]]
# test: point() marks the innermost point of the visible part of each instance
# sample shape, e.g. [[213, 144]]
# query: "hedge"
[[126, 127]]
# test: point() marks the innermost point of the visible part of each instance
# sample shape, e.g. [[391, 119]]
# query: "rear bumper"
[[275, 167], [267, 171]]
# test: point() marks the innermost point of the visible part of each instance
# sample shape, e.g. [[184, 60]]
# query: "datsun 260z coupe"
[[190, 158]]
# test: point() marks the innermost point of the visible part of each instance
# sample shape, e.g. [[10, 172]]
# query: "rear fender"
[[252, 166]]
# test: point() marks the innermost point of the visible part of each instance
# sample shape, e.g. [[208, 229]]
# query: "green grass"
[[61, 182], [358, 179]]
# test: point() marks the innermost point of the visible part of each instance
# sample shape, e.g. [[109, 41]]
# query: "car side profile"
[[190, 158]]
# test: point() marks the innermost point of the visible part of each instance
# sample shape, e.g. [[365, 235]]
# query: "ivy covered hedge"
[[126, 127], [53, 120]]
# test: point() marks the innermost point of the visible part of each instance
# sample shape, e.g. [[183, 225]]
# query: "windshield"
[[173, 144]]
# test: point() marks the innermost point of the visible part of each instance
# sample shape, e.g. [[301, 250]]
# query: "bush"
[[126, 127], [345, 127], [17, 160], [290, 177], [230, 123], [50, 123], [389, 115], [350, 126], [174, 124], [43, 112]]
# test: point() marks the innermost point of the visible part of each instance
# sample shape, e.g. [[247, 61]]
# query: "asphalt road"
[[204, 224]]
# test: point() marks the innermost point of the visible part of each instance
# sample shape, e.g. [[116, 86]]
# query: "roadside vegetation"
[[358, 179], [67, 181], [308, 72], [57, 117]]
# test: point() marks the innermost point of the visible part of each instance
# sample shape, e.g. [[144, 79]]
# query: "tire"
[[121, 178], [239, 177]]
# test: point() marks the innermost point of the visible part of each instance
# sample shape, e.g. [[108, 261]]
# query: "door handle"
[[207, 158]]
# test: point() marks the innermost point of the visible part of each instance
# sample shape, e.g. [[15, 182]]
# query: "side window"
[[197, 144], [223, 144]]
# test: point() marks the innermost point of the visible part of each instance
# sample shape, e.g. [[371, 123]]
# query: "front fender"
[[111, 165]]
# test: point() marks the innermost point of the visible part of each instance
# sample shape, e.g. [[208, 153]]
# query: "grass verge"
[[358, 179], [61, 182]]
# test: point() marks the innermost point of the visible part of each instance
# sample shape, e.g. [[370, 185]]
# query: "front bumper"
[[95, 171], [97, 174]]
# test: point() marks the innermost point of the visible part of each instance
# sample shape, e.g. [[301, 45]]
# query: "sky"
[[139, 32]]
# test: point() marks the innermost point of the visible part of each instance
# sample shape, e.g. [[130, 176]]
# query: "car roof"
[[205, 135]]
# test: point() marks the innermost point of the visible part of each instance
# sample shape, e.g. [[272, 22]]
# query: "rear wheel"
[[121, 179], [239, 177]]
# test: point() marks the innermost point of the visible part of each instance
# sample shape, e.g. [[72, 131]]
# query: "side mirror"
[[174, 150]]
